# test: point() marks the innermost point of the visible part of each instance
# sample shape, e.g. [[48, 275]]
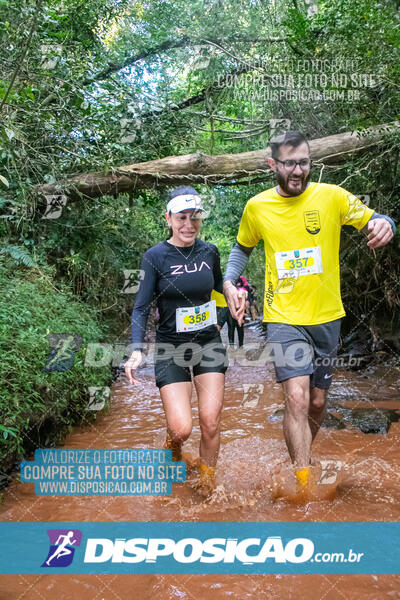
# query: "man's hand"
[[380, 233], [131, 364], [236, 300]]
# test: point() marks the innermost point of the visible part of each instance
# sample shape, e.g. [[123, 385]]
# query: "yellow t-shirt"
[[301, 238], [220, 301]]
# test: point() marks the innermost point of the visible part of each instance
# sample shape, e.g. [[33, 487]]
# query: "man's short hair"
[[289, 138]]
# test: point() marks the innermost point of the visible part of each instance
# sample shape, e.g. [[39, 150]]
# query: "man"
[[300, 224]]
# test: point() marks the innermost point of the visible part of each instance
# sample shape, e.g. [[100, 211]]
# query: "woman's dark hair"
[[179, 191]]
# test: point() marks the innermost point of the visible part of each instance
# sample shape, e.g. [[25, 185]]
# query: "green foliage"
[[30, 309], [72, 108], [19, 254], [105, 83]]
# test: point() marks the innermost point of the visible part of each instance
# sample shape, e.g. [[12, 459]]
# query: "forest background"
[[86, 86]]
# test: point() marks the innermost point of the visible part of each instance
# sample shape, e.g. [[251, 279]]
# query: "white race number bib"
[[194, 318], [297, 263]]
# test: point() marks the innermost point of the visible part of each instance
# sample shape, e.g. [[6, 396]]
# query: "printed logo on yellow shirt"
[[312, 221], [357, 209], [269, 296]]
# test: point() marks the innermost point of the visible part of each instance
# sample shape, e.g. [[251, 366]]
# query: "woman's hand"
[[131, 364]]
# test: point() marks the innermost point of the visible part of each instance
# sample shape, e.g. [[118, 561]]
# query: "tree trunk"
[[203, 169]]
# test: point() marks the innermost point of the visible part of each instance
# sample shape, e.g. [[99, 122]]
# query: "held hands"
[[131, 364], [380, 233], [236, 300]]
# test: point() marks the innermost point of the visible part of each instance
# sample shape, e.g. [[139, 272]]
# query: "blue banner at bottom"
[[202, 548]]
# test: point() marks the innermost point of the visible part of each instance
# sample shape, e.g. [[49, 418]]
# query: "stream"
[[360, 436]]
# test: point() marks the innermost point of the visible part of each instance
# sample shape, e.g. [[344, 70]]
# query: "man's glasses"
[[290, 164]]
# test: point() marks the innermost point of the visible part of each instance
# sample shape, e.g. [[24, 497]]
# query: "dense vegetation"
[[87, 86], [38, 405]]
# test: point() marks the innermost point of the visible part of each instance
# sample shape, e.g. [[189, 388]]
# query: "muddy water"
[[253, 464]]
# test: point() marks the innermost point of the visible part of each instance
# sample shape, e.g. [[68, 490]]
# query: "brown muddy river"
[[253, 465]]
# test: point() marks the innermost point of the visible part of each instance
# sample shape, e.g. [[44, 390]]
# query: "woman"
[[180, 274]]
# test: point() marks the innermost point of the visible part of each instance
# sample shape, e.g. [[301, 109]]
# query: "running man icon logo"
[[329, 471], [133, 277], [54, 206], [251, 394], [62, 351], [61, 551]]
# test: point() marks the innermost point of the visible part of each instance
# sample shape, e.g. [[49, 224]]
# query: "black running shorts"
[[172, 362]]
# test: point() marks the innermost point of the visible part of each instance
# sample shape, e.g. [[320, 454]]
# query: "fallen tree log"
[[211, 170]]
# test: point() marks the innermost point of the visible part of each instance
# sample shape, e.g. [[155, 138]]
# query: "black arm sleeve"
[[218, 279], [143, 301], [246, 249]]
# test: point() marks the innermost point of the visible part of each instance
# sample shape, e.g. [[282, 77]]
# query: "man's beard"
[[286, 187]]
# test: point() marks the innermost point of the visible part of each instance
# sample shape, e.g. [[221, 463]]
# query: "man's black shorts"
[[304, 350], [172, 362]]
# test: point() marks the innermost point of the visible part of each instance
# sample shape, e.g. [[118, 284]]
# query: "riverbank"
[[44, 333]]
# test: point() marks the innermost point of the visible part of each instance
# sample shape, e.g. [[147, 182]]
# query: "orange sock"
[[207, 475], [176, 447], [302, 476]]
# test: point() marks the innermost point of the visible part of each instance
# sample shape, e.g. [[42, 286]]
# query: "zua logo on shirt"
[[180, 269], [191, 550], [61, 551]]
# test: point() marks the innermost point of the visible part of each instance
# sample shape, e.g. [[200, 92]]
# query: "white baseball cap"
[[183, 202]]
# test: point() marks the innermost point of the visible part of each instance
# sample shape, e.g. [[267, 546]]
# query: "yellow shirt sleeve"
[[352, 210], [248, 234], [219, 299]]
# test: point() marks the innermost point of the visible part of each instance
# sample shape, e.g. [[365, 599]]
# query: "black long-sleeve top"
[[176, 277]]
